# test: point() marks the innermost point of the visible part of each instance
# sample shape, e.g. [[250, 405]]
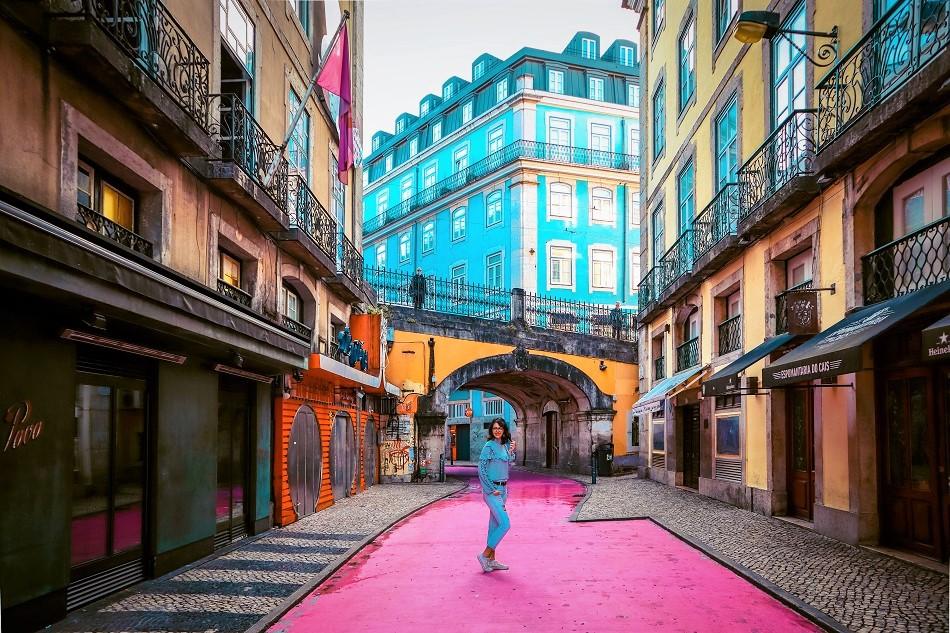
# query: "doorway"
[[109, 509], [235, 403], [370, 453], [551, 433], [343, 460], [463, 442], [304, 462], [913, 466], [691, 446], [801, 452]]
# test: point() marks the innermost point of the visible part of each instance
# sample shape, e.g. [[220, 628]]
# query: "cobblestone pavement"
[[229, 593], [866, 591]]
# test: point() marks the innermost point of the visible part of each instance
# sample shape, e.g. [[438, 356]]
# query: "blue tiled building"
[[526, 176]]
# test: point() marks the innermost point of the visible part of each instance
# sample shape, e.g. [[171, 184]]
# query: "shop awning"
[[837, 350], [653, 399], [935, 340], [726, 380]]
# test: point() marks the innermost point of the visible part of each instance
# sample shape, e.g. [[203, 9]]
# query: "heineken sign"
[[936, 340]]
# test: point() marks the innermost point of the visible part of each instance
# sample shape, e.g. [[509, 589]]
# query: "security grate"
[[90, 589], [228, 536], [729, 470]]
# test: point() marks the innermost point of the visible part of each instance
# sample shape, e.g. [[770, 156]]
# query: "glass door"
[[234, 409], [109, 474]]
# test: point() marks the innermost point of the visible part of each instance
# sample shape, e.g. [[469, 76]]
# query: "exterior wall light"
[[753, 26]]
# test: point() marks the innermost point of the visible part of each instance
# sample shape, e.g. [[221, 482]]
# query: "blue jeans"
[[498, 522]]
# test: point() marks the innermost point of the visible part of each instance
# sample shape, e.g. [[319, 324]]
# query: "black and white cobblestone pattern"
[[231, 592], [863, 590]]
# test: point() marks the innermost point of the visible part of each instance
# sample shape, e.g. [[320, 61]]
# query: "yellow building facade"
[[795, 221]]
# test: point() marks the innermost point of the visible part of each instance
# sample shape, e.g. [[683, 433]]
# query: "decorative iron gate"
[[304, 462], [370, 451], [343, 456]]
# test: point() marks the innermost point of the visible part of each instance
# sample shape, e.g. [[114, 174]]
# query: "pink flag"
[[335, 77]]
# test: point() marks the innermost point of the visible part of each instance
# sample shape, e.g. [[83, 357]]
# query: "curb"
[[304, 590], [796, 604]]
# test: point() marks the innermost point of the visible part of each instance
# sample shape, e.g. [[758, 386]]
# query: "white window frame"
[[456, 213], [413, 146], [633, 95], [569, 129], [572, 261], [381, 255], [424, 108], [595, 88], [468, 111], [447, 91], [436, 131], [489, 220], [498, 403], [405, 188], [428, 229], [558, 74], [601, 124], [570, 194], [400, 125], [388, 167], [501, 90], [382, 202], [633, 260], [496, 138], [609, 220], [432, 169], [588, 48], [376, 143], [479, 70], [501, 269], [460, 158], [626, 55], [405, 247], [633, 210], [602, 248]]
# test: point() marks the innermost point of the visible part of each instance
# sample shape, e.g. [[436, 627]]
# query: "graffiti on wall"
[[397, 457]]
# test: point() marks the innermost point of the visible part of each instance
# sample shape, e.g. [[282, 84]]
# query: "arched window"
[[458, 223], [561, 201], [493, 208], [292, 303], [602, 205]]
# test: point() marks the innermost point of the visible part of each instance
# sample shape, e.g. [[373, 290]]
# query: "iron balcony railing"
[[648, 290], [687, 354], [566, 315], [446, 296], [678, 260], [234, 293], [148, 33], [295, 326], [519, 150], [349, 260], [308, 215], [659, 368], [244, 142], [908, 36], [781, 305], [909, 263], [788, 152], [730, 334], [718, 220], [115, 232]]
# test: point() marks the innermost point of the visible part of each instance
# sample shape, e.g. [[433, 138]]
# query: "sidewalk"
[[865, 591], [232, 591]]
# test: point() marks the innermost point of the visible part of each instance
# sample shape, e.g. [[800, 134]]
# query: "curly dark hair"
[[505, 435]]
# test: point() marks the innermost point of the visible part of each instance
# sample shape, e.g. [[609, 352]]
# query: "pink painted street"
[[585, 576]]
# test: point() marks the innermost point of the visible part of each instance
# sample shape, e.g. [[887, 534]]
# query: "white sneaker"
[[496, 565], [484, 562]]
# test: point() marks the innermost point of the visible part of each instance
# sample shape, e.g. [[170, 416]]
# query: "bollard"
[[441, 467], [593, 466]]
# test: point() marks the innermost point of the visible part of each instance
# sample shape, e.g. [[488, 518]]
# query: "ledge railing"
[[678, 260], [687, 354], [295, 326], [519, 150], [234, 293], [311, 217], [349, 260], [659, 368], [788, 152], [112, 230], [900, 43], [781, 305], [148, 33], [718, 220], [244, 142], [909, 263], [648, 290], [566, 315], [730, 334]]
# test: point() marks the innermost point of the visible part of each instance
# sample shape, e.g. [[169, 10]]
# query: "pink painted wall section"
[[605, 576]]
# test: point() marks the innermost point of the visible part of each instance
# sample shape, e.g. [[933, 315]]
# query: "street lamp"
[[753, 26]]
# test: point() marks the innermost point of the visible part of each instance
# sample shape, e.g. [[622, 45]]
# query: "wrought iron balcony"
[[146, 31], [908, 36], [659, 368], [577, 316], [519, 150], [730, 334], [349, 260], [295, 326], [234, 293], [446, 296], [115, 232], [648, 290], [687, 354], [781, 305], [308, 215], [787, 153], [678, 260], [909, 263], [718, 220], [244, 142]]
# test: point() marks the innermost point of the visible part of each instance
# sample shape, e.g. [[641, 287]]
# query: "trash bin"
[[605, 459]]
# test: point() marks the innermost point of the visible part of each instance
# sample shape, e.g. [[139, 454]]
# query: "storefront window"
[[659, 435], [727, 435]]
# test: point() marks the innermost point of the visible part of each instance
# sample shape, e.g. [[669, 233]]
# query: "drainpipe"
[[431, 378], [623, 241]]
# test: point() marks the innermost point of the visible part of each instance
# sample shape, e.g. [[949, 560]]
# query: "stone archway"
[[528, 382]]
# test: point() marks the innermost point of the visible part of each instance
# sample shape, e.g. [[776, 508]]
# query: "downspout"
[[623, 242], [431, 378]]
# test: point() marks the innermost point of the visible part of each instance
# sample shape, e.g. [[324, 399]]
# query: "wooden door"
[[370, 453], [801, 453], [551, 432], [463, 442], [911, 461], [343, 452], [304, 462], [691, 446]]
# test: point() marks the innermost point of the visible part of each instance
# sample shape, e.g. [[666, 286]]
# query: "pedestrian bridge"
[[567, 368]]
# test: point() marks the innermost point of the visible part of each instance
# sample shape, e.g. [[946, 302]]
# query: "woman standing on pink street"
[[497, 454]]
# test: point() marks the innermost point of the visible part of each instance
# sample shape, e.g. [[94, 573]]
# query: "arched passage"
[[528, 382]]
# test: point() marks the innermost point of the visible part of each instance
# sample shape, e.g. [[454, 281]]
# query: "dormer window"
[[375, 143], [389, 162], [588, 48], [436, 131], [413, 146], [626, 55], [501, 90], [479, 70], [447, 91], [400, 125], [467, 111], [424, 108]]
